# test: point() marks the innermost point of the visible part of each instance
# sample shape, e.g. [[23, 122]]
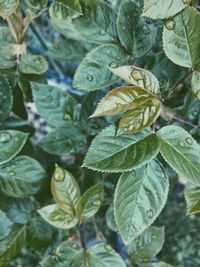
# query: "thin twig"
[[185, 122], [82, 236], [181, 80]]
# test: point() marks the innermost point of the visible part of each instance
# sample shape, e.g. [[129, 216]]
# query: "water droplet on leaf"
[[5, 137], [170, 24], [89, 78], [102, 32], [181, 143], [12, 173], [150, 214], [113, 65], [172, 131], [189, 141], [97, 203]]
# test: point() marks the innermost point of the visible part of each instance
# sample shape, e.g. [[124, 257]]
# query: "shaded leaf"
[[54, 105], [93, 73], [7, 7], [192, 197], [139, 198], [7, 60], [63, 140], [178, 39], [38, 4], [181, 152], [159, 9], [11, 143], [138, 77], [22, 177], [195, 83], [65, 190], [6, 225], [110, 220], [32, 64], [148, 244], [156, 264], [90, 202], [6, 99], [112, 153], [57, 217]]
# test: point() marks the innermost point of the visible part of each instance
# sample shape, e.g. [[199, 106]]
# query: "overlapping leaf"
[[139, 198], [181, 151], [159, 9], [195, 83], [181, 39], [93, 73], [192, 197], [112, 153], [7, 7], [32, 64], [11, 143], [6, 225]]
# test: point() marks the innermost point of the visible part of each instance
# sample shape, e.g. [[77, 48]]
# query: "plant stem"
[[181, 80], [82, 236], [185, 122]]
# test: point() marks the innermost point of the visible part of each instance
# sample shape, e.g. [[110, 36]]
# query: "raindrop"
[[59, 174], [118, 57], [50, 98], [150, 214], [189, 141], [136, 75], [108, 248], [74, 246], [89, 78], [181, 143], [170, 24], [97, 203], [12, 173], [113, 65], [172, 131], [5, 137], [102, 32]]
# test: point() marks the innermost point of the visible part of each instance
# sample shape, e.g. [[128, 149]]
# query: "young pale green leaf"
[[181, 152], [159, 9], [65, 190], [90, 202], [22, 177], [93, 73], [37, 4], [63, 141], [102, 255], [6, 100], [121, 100], [7, 60], [54, 105], [7, 7], [111, 153], [138, 77], [139, 198], [192, 197], [68, 254], [178, 39], [6, 225], [98, 22], [12, 244], [32, 64], [139, 118], [11, 143], [63, 10], [57, 217], [155, 264], [148, 244], [195, 83], [133, 31]]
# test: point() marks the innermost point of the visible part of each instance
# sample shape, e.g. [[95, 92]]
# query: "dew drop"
[[50, 98], [181, 143], [170, 24], [5, 137], [189, 141], [113, 65], [89, 78], [172, 131], [102, 32], [74, 246], [108, 248], [97, 203], [12, 173], [150, 214], [59, 174], [136, 75]]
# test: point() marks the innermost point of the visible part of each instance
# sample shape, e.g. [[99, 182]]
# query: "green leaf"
[[195, 83], [93, 73], [159, 9], [6, 100], [68, 254], [103, 255], [138, 77], [139, 118], [121, 100], [133, 31], [6, 225], [63, 140], [90, 202], [32, 64], [65, 190], [178, 36], [97, 24], [38, 4], [112, 153], [148, 244], [57, 217], [63, 10], [7, 7], [155, 264], [12, 245], [192, 197], [22, 177], [6, 37], [54, 105], [110, 220], [11, 143], [181, 152], [139, 198], [7, 60]]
